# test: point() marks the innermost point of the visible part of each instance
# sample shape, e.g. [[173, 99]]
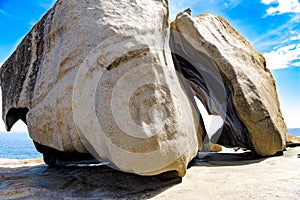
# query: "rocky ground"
[[218, 175]]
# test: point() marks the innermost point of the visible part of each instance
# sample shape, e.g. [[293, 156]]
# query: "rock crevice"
[[252, 115], [101, 80]]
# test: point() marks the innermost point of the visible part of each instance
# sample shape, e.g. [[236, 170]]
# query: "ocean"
[[294, 131], [19, 145]]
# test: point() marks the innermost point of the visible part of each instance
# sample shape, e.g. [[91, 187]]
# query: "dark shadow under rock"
[[95, 182], [214, 176], [225, 159]]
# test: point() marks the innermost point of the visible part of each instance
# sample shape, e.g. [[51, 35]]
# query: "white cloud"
[[295, 37], [179, 6], [283, 57], [296, 64], [232, 3], [283, 6], [267, 1], [46, 4], [281, 33], [280, 46]]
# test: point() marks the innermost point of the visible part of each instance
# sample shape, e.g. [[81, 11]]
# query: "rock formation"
[[95, 77], [292, 141], [232, 81], [98, 79]]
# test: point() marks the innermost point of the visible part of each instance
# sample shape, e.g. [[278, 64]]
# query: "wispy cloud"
[[2, 12], [283, 57], [46, 4], [32, 23], [5, 14], [231, 3], [281, 46], [282, 6], [178, 6], [281, 36], [284, 28], [295, 35]]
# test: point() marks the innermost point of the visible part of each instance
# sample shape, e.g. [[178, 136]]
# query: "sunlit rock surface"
[[293, 141], [218, 176], [97, 76], [232, 81], [108, 80]]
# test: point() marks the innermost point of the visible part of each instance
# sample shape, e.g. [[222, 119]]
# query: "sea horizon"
[[19, 145]]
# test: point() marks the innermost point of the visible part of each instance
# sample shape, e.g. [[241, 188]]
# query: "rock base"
[[218, 175]]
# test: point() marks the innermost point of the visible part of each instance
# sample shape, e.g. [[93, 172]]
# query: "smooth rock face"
[[98, 78], [93, 76], [251, 110]]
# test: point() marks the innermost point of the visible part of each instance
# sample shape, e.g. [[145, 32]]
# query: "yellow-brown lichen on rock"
[[95, 77], [109, 80], [252, 116]]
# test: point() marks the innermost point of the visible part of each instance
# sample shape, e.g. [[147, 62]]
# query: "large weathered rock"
[[97, 78], [232, 80], [93, 76]]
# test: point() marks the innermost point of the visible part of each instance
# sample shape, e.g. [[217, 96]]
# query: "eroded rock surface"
[[232, 81], [93, 76], [98, 78]]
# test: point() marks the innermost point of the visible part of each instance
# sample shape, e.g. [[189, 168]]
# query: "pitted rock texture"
[[251, 109], [106, 80], [95, 76]]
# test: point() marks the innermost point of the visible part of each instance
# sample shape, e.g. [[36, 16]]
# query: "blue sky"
[[271, 26]]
